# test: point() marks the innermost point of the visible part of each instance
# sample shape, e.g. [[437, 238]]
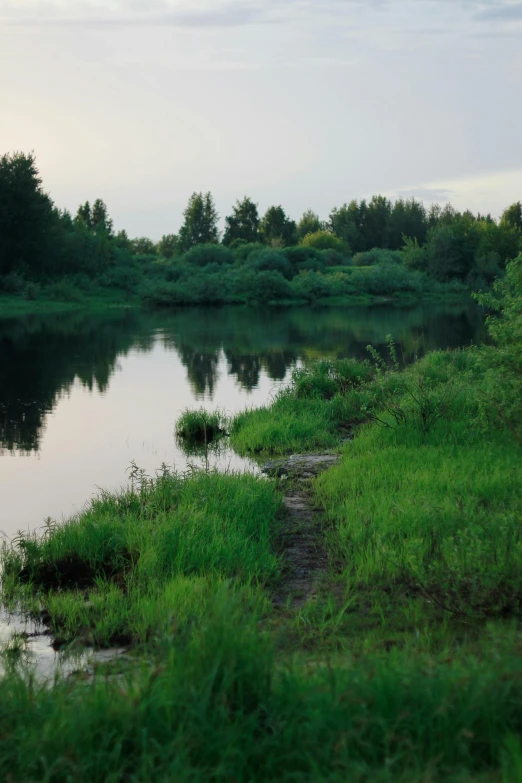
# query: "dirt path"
[[305, 559]]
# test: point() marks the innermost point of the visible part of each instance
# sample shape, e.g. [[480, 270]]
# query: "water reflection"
[[41, 357]]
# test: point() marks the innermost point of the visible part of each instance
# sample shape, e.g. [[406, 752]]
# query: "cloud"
[[230, 13], [153, 14], [502, 13]]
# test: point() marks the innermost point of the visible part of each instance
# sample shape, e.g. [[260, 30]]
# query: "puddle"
[[27, 645]]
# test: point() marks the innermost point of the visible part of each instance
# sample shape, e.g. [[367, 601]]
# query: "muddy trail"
[[305, 559]]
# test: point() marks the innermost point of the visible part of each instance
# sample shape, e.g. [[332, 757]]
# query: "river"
[[84, 394]]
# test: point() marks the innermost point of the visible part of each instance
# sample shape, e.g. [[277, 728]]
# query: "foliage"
[[276, 228], [377, 256], [325, 240], [23, 204], [271, 261], [200, 426], [442, 251], [310, 223], [200, 225], [243, 224], [202, 255]]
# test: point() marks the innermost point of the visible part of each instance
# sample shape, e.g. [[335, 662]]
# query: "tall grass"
[[217, 708], [145, 554]]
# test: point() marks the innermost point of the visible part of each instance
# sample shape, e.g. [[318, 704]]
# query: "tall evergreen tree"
[[200, 224]]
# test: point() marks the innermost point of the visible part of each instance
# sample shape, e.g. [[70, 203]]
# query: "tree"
[[26, 215], [345, 223], [309, 224], [512, 216], [243, 223], [375, 222], [200, 222], [143, 246], [101, 222], [277, 229], [408, 219], [95, 218], [168, 245], [84, 216]]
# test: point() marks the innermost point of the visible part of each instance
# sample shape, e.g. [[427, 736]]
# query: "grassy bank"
[[19, 305], [406, 664]]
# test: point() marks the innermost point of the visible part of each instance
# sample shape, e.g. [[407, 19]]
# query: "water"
[[84, 394]]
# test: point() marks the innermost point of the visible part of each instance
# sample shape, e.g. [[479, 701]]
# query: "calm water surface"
[[82, 395]]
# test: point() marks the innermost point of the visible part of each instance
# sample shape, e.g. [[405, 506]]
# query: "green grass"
[[404, 667], [143, 556], [196, 429], [217, 707], [18, 305]]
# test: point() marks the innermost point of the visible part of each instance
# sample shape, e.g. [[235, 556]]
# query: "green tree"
[[95, 218], [84, 216], [344, 222], [512, 216], [408, 219], [200, 224], [277, 228], [375, 222], [243, 223], [101, 222], [309, 224], [168, 246], [143, 246], [26, 215]]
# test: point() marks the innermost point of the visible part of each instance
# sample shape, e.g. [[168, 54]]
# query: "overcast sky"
[[307, 103]]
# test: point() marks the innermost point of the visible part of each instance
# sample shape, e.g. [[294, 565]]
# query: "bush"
[[377, 256], [31, 292], [311, 285], [245, 249], [64, 291], [325, 240], [271, 261], [305, 258], [13, 283], [334, 258], [202, 255]]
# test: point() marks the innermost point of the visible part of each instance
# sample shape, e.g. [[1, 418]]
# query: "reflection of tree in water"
[[202, 370], [246, 369], [40, 359]]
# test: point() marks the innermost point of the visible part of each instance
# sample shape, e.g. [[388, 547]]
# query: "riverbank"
[[401, 664], [19, 305]]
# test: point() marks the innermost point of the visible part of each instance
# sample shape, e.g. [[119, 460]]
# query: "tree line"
[[38, 241]]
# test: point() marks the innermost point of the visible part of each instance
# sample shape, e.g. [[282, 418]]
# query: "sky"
[[304, 103]]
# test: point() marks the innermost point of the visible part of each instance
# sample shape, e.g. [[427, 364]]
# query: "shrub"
[[334, 258], [245, 249], [202, 255], [325, 240], [271, 261], [377, 256], [64, 291], [13, 283], [304, 258], [311, 285]]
